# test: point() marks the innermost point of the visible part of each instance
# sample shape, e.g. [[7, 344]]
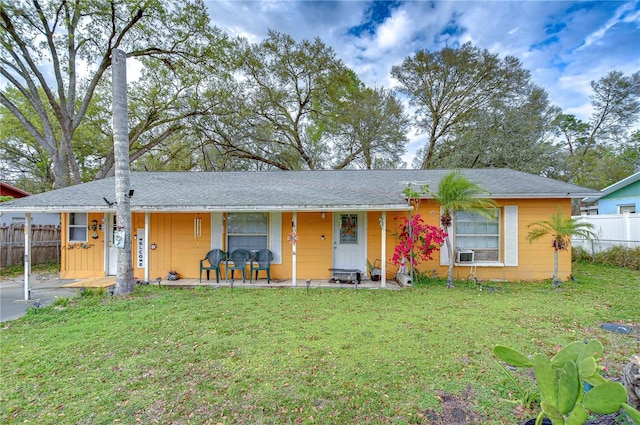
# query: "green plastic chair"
[[263, 258], [215, 257], [239, 259]]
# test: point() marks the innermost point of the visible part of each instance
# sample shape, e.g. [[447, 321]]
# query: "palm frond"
[[560, 229], [456, 192]]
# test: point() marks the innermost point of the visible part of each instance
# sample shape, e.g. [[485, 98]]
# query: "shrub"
[[424, 278], [618, 256], [417, 241]]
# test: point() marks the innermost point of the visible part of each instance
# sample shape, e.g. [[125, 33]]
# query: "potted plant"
[[374, 271], [570, 384]]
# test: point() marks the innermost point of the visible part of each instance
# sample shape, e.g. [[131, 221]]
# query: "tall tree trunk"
[[451, 261], [554, 281], [60, 169], [124, 275]]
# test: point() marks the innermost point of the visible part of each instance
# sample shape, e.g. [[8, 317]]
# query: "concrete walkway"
[[44, 290]]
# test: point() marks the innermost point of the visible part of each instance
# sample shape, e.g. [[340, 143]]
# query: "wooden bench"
[[346, 275]]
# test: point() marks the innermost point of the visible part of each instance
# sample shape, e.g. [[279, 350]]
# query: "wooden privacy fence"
[[612, 230], [45, 244]]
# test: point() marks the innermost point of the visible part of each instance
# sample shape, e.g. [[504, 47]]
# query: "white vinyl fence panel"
[[612, 230]]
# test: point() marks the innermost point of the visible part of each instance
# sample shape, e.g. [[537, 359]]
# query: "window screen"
[[249, 231], [478, 233]]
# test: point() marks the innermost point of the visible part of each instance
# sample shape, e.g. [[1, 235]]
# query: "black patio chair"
[[263, 258], [215, 257], [239, 259]]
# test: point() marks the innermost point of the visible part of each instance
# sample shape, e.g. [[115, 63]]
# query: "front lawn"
[[297, 356]]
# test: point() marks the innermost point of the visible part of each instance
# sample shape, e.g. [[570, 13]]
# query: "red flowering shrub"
[[417, 240]]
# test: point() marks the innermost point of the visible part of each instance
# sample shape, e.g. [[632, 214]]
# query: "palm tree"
[[458, 193], [561, 230]]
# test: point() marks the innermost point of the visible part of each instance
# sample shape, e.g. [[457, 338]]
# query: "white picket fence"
[[612, 230]]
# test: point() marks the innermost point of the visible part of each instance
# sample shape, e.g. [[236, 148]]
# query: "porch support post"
[[294, 242], [105, 231], [383, 249], [27, 256], [147, 221]]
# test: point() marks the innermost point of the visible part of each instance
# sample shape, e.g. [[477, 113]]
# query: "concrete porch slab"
[[105, 282], [94, 282]]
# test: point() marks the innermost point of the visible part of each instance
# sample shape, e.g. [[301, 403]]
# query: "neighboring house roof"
[[614, 187], [8, 190], [332, 190]]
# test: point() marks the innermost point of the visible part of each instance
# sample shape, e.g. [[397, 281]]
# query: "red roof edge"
[[8, 190]]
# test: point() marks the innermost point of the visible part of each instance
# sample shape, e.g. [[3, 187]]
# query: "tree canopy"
[[451, 87], [295, 105], [606, 148], [205, 101], [55, 55]]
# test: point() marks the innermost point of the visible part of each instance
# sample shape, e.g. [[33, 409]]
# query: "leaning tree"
[[55, 54]]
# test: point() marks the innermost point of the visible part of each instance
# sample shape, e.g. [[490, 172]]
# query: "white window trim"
[[508, 239]]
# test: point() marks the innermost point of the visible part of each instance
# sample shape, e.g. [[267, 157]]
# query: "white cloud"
[[600, 33], [394, 30]]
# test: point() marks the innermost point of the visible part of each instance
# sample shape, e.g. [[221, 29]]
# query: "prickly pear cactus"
[[562, 379]]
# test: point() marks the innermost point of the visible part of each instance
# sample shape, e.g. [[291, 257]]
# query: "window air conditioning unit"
[[465, 256]]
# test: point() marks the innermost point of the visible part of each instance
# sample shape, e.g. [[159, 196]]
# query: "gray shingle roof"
[[284, 190]]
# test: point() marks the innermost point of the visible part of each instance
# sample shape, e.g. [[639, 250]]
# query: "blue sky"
[[564, 44]]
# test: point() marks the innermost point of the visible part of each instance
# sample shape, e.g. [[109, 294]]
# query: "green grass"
[[292, 356]]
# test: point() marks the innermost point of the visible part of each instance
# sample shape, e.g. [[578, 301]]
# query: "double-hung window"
[[479, 234], [77, 227], [249, 231]]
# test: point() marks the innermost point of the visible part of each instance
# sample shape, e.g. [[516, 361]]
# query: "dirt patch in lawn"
[[455, 410]]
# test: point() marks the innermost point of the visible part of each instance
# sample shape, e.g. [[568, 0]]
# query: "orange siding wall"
[[160, 234], [81, 260], [178, 249], [314, 254], [374, 239], [535, 260]]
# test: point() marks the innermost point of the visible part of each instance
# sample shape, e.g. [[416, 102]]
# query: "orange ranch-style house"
[[337, 219]]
